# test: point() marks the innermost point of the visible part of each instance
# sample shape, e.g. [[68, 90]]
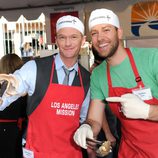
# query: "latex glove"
[[12, 86], [132, 106], [83, 132]]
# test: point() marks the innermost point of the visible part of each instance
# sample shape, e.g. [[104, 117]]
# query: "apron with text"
[[139, 137], [54, 121]]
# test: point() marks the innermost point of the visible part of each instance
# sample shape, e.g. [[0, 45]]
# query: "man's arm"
[[96, 115], [153, 113], [92, 125], [109, 136], [26, 77], [85, 107]]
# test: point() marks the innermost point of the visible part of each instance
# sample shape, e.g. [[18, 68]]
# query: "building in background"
[[16, 33]]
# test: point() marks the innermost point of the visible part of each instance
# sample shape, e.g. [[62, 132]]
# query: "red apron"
[[139, 137], [54, 121]]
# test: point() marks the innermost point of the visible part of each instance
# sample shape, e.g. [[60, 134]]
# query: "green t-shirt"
[[146, 60]]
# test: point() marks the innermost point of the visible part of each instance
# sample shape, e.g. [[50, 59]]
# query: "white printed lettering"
[[65, 112], [55, 105]]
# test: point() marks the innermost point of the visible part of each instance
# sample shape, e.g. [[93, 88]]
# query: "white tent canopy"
[[21, 4]]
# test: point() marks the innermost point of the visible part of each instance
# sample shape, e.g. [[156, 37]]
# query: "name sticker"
[[143, 93], [27, 153]]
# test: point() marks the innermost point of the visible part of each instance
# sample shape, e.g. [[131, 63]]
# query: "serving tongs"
[[97, 142]]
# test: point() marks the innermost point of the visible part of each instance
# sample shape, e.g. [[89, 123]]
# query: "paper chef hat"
[[70, 21], [103, 16]]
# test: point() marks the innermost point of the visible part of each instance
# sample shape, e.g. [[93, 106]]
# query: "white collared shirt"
[[27, 79]]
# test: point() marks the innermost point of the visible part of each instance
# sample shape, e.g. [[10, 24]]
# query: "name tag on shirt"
[[27, 153], [143, 93]]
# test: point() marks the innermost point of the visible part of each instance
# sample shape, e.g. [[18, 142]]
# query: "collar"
[[59, 63]]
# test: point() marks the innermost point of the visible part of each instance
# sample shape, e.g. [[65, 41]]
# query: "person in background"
[[27, 50], [59, 95], [13, 117], [97, 59], [111, 125], [128, 81]]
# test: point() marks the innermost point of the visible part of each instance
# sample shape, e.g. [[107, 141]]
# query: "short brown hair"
[[9, 63]]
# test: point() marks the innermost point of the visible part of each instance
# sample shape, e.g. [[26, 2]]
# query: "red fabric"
[[50, 135], [20, 122], [6, 120], [138, 136]]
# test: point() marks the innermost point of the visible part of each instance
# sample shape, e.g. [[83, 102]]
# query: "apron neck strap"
[[136, 73], [52, 73], [134, 68]]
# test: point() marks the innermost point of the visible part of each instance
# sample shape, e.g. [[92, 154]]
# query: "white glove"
[[83, 132], [132, 106], [12, 85]]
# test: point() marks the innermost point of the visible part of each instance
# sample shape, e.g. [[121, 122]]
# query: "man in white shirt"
[[54, 109]]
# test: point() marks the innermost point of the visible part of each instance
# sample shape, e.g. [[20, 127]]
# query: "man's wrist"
[[87, 122], [95, 126], [153, 113]]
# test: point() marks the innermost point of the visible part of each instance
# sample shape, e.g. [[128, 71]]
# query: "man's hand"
[[12, 84], [132, 106], [83, 132], [1, 101], [110, 138]]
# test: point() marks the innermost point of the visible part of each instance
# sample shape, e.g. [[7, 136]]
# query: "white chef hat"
[[103, 16], [70, 21]]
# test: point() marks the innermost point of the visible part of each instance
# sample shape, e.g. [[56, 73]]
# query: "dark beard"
[[113, 50]]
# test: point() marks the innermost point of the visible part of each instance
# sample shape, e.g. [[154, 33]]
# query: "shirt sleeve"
[[85, 106], [26, 77], [95, 86]]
